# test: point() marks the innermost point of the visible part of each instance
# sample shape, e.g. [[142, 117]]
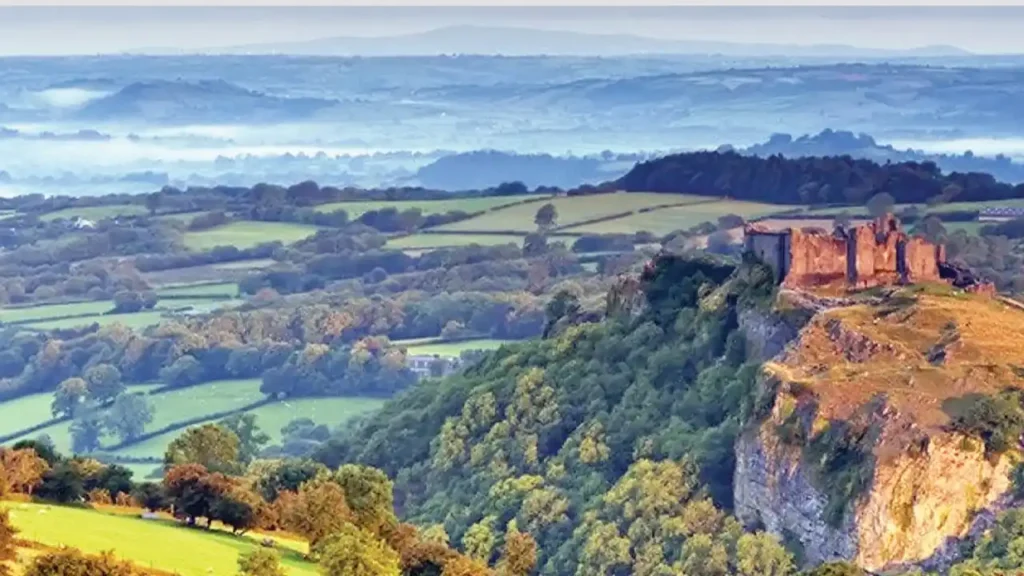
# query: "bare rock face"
[[918, 501]]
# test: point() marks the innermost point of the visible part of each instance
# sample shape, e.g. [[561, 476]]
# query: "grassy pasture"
[[571, 210], [330, 411], [470, 205], [449, 349], [665, 220], [200, 290], [23, 412], [270, 418], [136, 321], [924, 208], [48, 311], [208, 398], [246, 234], [96, 212], [161, 544]]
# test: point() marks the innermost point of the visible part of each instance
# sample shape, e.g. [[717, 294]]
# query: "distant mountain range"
[[513, 41]]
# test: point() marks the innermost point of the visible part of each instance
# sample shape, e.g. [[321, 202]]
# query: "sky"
[[28, 29]]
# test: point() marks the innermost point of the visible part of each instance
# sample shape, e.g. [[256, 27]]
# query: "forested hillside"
[[819, 180], [611, 442]]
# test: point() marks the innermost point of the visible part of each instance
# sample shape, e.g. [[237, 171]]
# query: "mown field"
[[157, 543], [270, 418], [666, 220], [96, 212], [205, 402], [427, 207], [246, 234], [56, 316], [571, 210]]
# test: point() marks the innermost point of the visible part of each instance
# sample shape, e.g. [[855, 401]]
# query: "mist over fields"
[[286, 110]]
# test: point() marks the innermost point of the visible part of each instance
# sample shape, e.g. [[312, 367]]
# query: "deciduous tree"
[[319, 511], [129, 416], [212, 446], [69, 397], [260, 562], [355, 552], [251, 439], [103, 382]]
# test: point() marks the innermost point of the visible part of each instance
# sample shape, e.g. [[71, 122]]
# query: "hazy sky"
[[26, 28]]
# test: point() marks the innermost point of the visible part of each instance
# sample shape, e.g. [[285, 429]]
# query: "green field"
[[161, 544], [924, 208], [136, 321], [470, 205], [571, 209], [48, 311], [198, 401], [666, 220], [450, 349], [24, 412], [246, 234], [96, 212], [330, 411], [246, 264], [270, 418], [421, 241], [199, 290], [183, 217]]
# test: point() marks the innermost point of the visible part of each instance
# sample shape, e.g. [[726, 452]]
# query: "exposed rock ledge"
[[916, 504]]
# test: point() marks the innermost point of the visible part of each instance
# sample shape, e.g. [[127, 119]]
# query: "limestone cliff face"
[[916, 505], [860, 379]]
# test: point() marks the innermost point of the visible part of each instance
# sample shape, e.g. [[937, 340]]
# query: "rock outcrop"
[[916, 504], [853, 456]]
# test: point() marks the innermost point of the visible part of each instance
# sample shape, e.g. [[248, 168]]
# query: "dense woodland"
[[811, 180]]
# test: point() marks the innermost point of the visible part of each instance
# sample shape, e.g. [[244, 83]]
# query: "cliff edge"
[[867, 444]]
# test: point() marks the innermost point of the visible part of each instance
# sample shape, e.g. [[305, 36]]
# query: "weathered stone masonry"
[[875, 254]]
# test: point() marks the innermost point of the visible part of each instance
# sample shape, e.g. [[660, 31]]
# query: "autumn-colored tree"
[[352, 551], [212, 446], [463, 566], [260, 562], [194, 491], [21, 471], [320, 510], [240, 508], [519, 555], [8, 551], [72, 562]]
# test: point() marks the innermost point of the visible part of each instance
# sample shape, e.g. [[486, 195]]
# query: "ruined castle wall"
[[922, 260], [816, 260], [887, 266], [862, 242], [770, 248]]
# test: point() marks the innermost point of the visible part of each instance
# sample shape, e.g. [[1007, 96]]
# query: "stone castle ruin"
[[875, 254]]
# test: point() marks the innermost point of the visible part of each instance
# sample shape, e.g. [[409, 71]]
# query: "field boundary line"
[[187, 423], [34, 428]]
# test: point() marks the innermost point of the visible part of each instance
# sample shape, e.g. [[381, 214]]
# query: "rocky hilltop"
[[871, 444]]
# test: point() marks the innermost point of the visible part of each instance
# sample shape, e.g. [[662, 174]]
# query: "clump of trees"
[[810, 180]]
